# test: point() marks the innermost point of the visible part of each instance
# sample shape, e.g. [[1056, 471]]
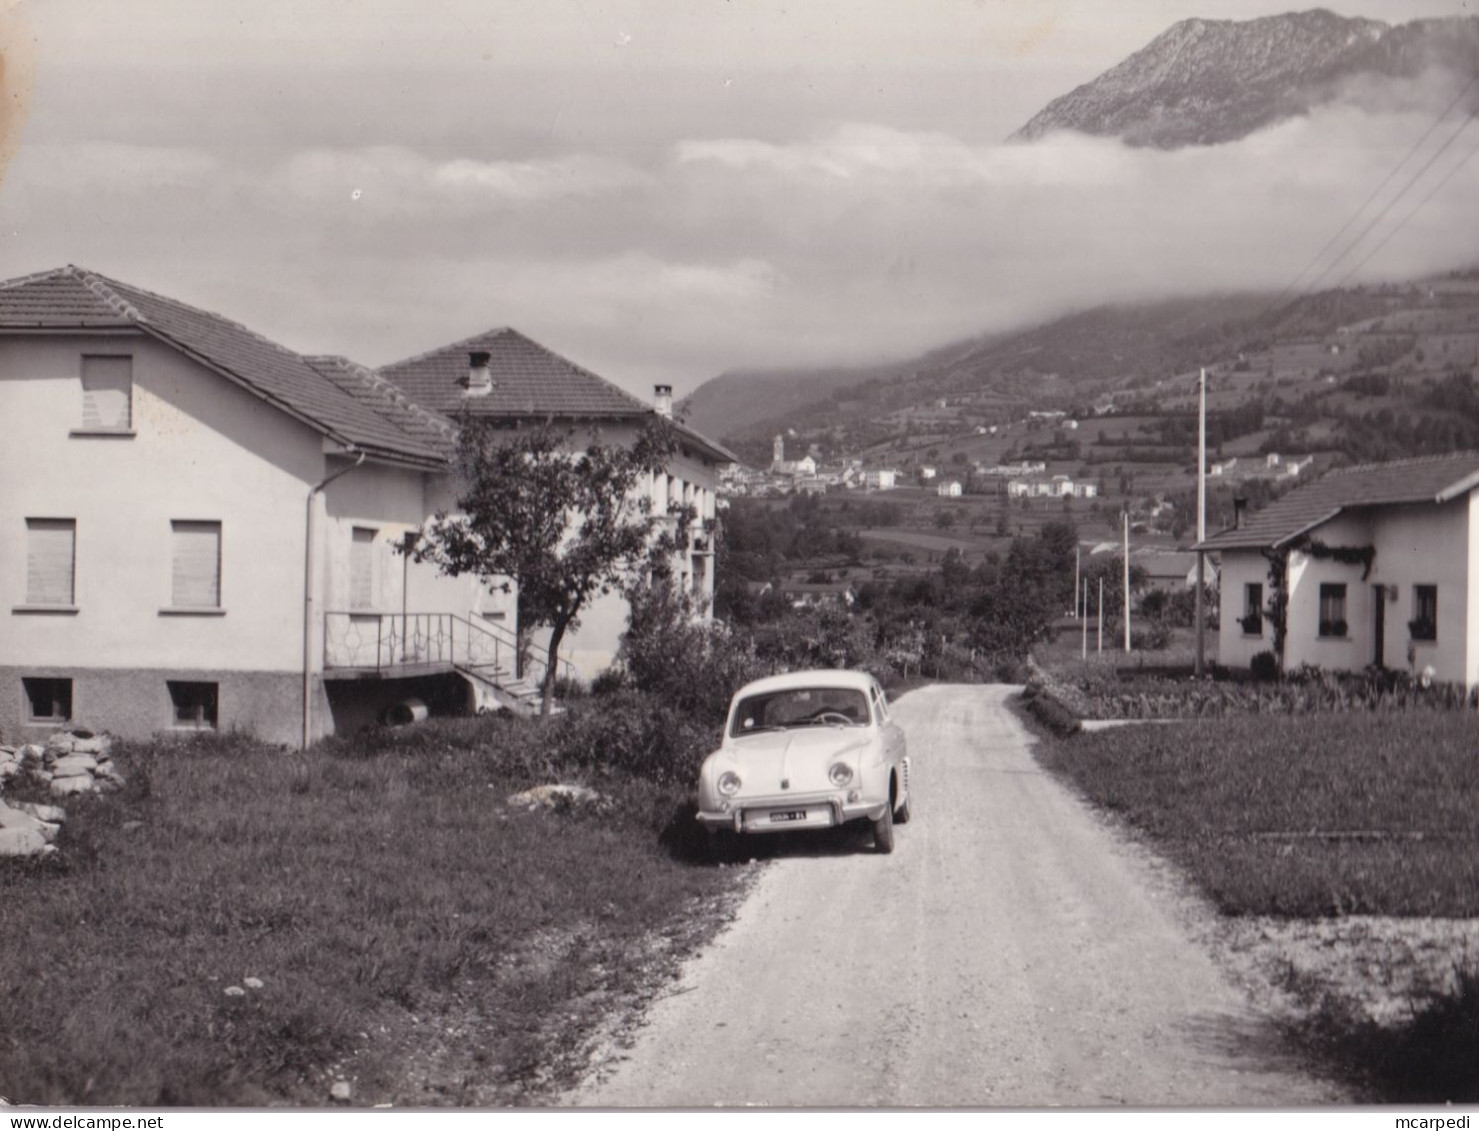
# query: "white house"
[[200, 528], [883, 479], [1380, 564], [502, 375], [951, 490]]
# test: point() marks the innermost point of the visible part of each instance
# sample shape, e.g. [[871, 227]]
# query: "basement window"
[[47, 700], [195, 704]]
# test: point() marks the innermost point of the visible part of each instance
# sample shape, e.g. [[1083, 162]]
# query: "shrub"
[[1265, 666]]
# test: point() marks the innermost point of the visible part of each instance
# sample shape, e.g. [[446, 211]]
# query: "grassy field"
[[403, 928], [1316, 816], [1309, 816]]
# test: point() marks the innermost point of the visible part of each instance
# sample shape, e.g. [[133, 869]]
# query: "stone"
[[341, 1092], [19, 819], [252, 983], [90, 746], [53, 813], [31, 754], [551, 796], [23, 842], [64, 787], [73, 765], [234, 991]]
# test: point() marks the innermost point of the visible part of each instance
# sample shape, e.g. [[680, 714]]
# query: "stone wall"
[[67, 764]]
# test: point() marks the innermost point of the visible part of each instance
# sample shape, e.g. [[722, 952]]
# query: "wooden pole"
[[1201, 617], [1076, 551], [1101, 614], [1127, 581], [1084, 621]]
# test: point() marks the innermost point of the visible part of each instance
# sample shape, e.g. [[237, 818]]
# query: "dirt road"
[[1012, 951]]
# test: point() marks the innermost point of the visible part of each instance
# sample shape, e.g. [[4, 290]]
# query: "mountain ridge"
[[1205, 82]]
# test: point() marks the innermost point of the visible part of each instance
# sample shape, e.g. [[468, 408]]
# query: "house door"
[[1379, 624]]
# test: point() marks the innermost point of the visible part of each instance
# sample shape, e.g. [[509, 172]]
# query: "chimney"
[[662, 400], [479, 380], [1239, 505]]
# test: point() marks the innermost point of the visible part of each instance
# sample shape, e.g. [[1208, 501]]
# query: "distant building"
[[883, 479], [951, 490]]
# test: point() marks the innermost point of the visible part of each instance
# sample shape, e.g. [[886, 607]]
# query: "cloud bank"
[[859, 242]]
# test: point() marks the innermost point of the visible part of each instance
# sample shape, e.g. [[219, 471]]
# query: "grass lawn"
[[1313, 816], [412, 934], [1300, 816]]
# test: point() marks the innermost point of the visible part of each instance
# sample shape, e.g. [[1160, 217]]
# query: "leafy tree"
[[566, 523]]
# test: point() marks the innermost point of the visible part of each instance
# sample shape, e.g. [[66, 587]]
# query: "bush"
[[1265, 666]]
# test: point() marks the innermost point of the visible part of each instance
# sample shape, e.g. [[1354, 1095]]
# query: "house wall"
[[1235, 648], [1415, 545], [202, 449]]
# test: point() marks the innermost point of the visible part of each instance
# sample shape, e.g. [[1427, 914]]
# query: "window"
[[1424, 623], [195, 704], [47, 700], [1252, 620], [51, 556], [1332, 610], [362, 568], [196, 582], [107, 394]]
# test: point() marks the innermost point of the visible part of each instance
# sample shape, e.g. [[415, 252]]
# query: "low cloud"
[[675, 262]]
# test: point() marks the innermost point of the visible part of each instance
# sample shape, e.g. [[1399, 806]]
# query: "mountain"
[[734, 401], [1202, 82]]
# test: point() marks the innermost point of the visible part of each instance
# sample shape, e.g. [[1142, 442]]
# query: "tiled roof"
[[1429, 479], [529, 381], [387, 399], [71, 297]]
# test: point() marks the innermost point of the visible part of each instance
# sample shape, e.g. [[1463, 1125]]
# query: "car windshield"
[[800, 707]]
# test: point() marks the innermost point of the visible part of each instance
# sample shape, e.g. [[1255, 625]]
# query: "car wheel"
[[883, 830], [904, 811]]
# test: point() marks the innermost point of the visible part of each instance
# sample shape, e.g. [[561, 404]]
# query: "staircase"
[[391, 645]]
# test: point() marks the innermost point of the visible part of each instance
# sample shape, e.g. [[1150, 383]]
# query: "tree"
[[566, 524]]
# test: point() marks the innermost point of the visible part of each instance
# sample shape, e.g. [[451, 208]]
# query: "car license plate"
[[778, 815]]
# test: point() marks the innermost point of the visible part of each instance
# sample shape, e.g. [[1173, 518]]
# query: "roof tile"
[[1428, 479]]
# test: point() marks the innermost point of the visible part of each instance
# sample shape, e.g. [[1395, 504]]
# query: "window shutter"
[[51, 545], [107, 393], [197, 571], [362, 569]]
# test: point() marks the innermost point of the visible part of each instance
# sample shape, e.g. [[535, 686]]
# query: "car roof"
[[818, 677]]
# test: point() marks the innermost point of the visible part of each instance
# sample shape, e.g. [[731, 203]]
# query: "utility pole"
[[1201, 521], [1101, 614], [1127, 580], [1084, 620], [1076, 551]]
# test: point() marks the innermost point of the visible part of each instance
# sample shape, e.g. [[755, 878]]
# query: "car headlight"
[[840, 774], [729, 783]]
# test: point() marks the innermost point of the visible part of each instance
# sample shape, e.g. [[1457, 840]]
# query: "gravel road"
[[1013, 951]]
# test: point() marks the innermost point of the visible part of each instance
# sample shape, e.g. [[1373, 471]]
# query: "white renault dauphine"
[[807, 750]]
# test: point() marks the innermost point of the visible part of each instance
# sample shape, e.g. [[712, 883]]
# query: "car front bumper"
[[783, 814]]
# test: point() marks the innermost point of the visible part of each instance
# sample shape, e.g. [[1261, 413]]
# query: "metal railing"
[[396, 643]]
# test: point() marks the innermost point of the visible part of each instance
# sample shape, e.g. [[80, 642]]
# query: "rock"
[[234, 991], [90, 746], [63, 787], [19, 819], [31, 755], [252, 983], [341, 1092], [553, 796], [23, 842], [74, 765], [53, 813]]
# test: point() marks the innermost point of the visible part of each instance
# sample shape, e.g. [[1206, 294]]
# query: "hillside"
[[1202, 82]]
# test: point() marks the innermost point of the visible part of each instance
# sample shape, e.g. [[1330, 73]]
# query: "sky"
[[661, 190]]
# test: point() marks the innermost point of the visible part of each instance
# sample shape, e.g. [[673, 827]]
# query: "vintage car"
[[806, 750]]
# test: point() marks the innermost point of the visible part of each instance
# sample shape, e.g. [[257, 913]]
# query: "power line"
[[1448, 176], [1386, 208], [1376, 192]]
